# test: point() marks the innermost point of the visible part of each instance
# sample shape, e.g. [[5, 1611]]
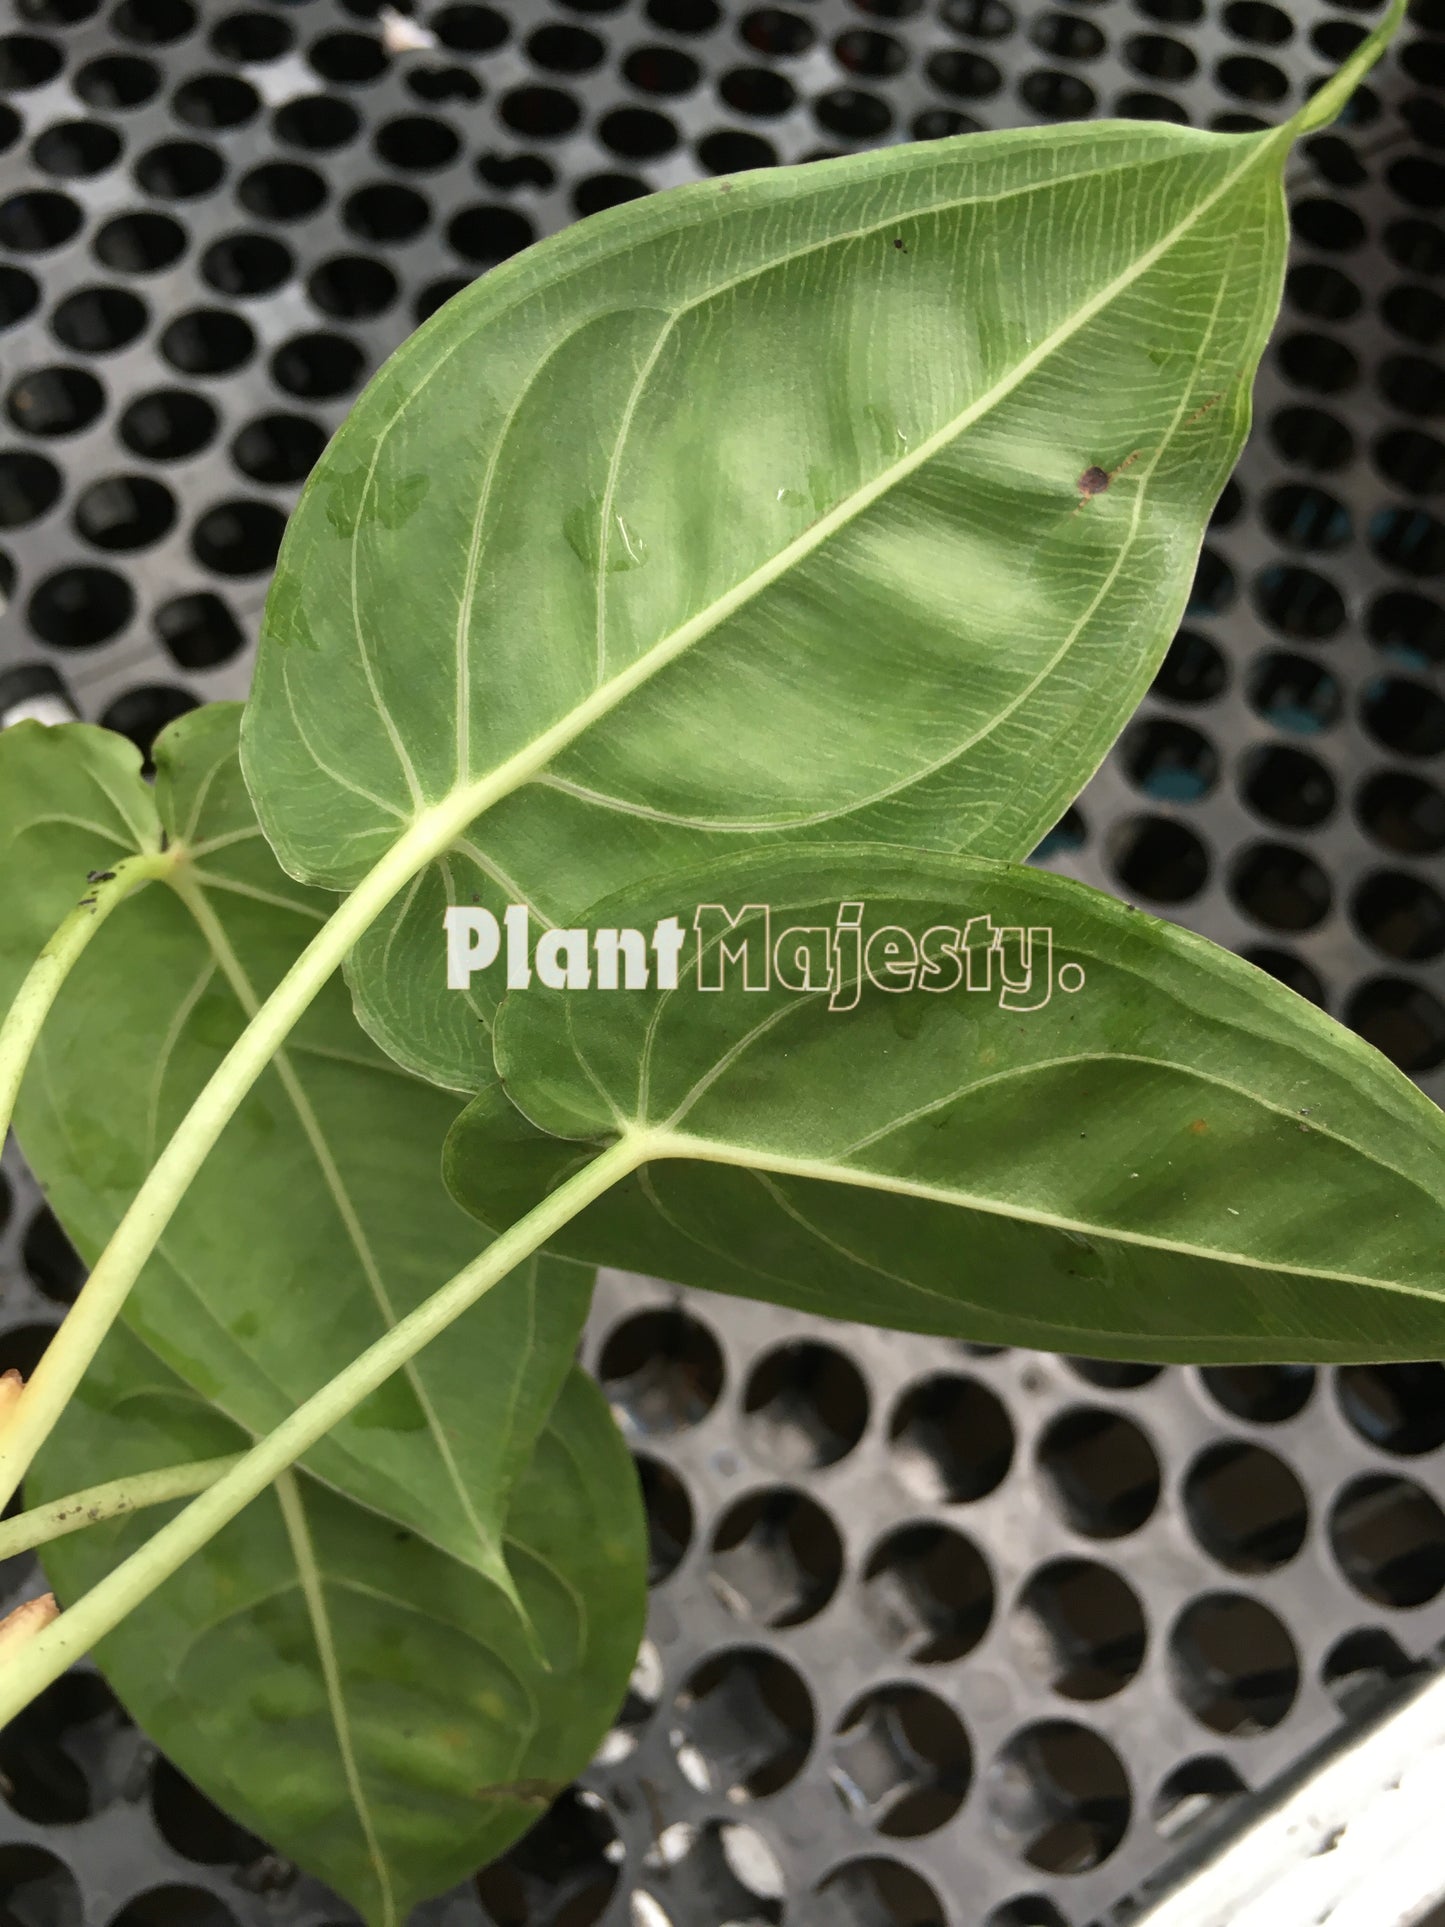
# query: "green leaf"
[[849, 501], [1180, 1159], [361, 1700], [320, 1217]]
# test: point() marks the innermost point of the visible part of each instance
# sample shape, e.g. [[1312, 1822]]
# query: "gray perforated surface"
[[936, 1637]]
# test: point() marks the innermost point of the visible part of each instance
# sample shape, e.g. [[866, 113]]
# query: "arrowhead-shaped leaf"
[[1176, 1159], [850, 501], [320, 1217], [369, 1705]]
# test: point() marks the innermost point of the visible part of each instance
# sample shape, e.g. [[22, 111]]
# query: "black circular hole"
[[1280, 887], [1114, 1375], [193, 1827], [1169, 761], [1388, 1537], [208, 341], [950, 1439], [1080, 1628], [125, 512], [1193, 1795], [154, 23], [669, 1518], [199, 631], [638, 133], [1289, 970], [97, 321], [853, 114], [116, 82], [1194, 670], [1256, 20], [318, 366], [386, 212], [566, 49], [541, 113], [776, 1557], [19, 294], [1399, 1408], [1234, 1665], [599, 191], [278, 448], [1058, 1794], [436, 294], [901, 1761], [1214, 587], [41, 1751], [742, 1724], [1306, 517], [1363, 1671], [318, 122], [1138, 105], [1416, 246], [805, 1405], [661, 70], [38, 221], [29, 487], [1402, 1020], [662, 1372], [80, 607], [1287, 786], [168, 424], [55, 401], [27, 61], [486, 234], [1417, 314], [1294, 693], [179, 170], [215, 102], [251, 36], [1318, 362], [51, 1260], [239, 537], [1401, 915], [141, 714], [773, 30], [76, 148], [351, 59], [56, 13], [1403, 812], [733, 152], [469, 29], [1248, 77], [140, 243], [439, 84], [1412, 384], [353, 287], [881, 1891], [40, 1891], [757, 91], [1296, 600], [1409, 539], [418, 142], [1159, 57], [1101, 1472], [1061, 96], [1262, 1394], [1068, 36], [927, 1594], [516, 170], [247, 264], [1322, 290], [1311, 438], [1411, 459], [282, 191], [1159, 859], [1408, 717], [1245, 1507]]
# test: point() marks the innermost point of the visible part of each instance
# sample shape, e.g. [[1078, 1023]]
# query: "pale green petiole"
[[28, 1013], [109, 1501], [45, 1656]]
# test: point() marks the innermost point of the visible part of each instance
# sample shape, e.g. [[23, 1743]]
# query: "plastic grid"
[[936, 1636]]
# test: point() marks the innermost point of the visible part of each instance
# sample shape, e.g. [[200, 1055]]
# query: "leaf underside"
[[1180, 1160], [754, 512], [362, 1701]]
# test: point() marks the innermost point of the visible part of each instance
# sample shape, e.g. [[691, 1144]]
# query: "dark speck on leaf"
[[100, 876], [898, 243], [1093, 481]]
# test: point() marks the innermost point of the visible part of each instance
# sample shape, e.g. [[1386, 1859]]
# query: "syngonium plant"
[[793, 544]]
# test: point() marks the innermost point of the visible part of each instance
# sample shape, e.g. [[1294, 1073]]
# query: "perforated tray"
[[937, 1636]]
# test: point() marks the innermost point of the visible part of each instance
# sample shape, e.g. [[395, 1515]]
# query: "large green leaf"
[[320, 1217], [1180, 1159], [771, 507], [363, 1701]]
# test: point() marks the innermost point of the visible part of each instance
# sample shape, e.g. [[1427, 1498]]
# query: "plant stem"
[[56, 961], [45, 1522], [139, 1231], [45, 1657]]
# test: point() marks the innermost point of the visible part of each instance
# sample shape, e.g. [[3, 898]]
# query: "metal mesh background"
[[938, 1637]]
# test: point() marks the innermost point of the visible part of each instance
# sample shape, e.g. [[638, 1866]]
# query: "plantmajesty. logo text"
[[717, 948]]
